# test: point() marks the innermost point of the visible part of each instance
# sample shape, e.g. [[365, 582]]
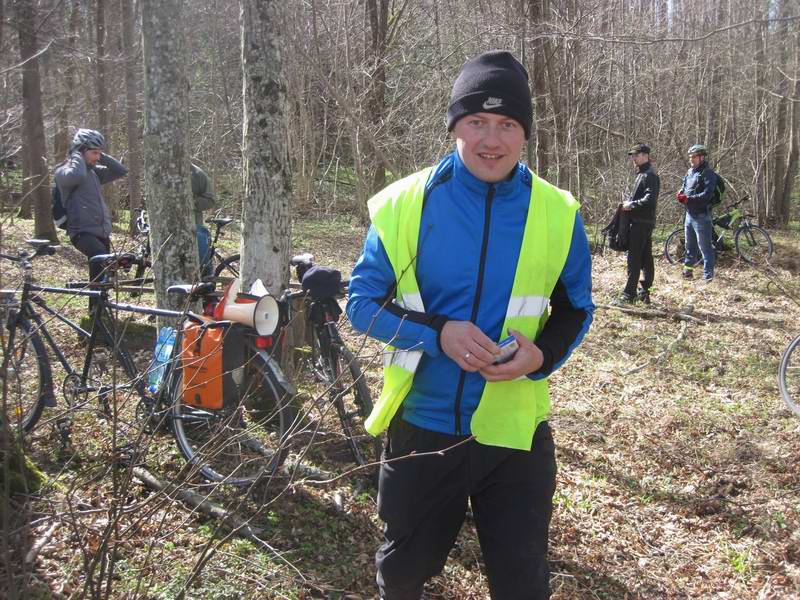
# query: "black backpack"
[[719, 192], [618, 230], [57, 207]]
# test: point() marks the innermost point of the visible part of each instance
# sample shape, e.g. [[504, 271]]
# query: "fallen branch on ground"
[[656, 359], [682, 314], [198, 502], [40, 543]]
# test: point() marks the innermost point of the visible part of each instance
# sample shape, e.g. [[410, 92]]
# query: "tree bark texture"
[[266, 223], [166, 181], [35, 145], [101, 86], [131, 111]]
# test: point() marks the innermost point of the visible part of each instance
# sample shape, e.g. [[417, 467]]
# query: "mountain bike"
[[336, 374], [239, 440], [789, 376], [223, 266], [752, 243]]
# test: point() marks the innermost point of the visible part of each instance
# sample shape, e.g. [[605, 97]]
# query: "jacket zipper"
[[476, 302]]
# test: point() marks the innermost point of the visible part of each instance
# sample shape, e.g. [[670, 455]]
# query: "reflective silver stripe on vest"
[[412, 301], [527, 306], [405, 359]]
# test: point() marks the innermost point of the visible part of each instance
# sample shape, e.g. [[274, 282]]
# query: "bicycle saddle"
[[220, 222], [124, 260], [42, 247], [194, 290]]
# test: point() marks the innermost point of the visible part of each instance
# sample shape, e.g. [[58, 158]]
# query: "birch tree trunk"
[[131, 122], [35, 146], [166, 159], [266, 224]]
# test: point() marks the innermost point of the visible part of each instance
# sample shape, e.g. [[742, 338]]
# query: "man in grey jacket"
[[79, 179]]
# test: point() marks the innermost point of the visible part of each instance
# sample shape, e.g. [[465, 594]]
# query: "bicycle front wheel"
[[237, 444], [353, 404], [789, 376], [675, 247], [753, 244], [26, 370], [228, 267]]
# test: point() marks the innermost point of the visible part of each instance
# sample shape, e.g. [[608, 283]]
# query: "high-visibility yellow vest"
[[509, 411]]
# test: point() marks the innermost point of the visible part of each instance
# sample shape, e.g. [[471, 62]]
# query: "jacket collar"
[[518, 178], [643, 168]]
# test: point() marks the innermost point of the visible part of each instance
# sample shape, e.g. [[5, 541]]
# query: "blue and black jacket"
[[699, 185], [470, 238]]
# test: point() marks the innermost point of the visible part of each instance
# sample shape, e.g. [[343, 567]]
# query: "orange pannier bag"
[[202, 362]]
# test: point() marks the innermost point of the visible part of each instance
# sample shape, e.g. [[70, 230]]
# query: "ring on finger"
[[467, 355]]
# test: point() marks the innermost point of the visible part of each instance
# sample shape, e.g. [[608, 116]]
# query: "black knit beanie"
[[494, 82]]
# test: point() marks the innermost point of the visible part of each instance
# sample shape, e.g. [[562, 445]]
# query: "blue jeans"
[[204, 246], [698, 230]]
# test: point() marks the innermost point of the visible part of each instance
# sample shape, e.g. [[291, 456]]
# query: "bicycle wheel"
[[675, 247], [241, 443], [789, 376], [353, 402], [228, 267], [26, 370], [753, 244]]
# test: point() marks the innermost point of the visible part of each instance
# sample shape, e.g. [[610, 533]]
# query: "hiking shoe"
[[687, 274], [644, 296], [708, 279], [622, 300]]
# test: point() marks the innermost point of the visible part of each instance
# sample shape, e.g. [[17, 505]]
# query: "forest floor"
[[678, 467]]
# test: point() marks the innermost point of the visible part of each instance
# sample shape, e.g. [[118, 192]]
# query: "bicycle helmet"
[[698, 149], [88, 139]]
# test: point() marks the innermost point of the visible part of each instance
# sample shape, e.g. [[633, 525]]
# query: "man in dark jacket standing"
[[697, 192], [79, 179], [641, 208]]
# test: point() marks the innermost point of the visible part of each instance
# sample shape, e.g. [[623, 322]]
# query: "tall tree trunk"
[[35, 147], [266, 224], [781, 141], [793, 158], [166, 160], [763, 204], [101, 86], [378, 13], [131, 120], [539, 58], [62, 138]]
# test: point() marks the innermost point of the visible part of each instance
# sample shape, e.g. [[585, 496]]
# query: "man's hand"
[[467, 345], [527, 359]]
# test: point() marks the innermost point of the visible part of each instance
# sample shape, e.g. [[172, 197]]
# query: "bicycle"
[[789, 376], [227, 267], [752, 242], [240, 441], [335, 371]]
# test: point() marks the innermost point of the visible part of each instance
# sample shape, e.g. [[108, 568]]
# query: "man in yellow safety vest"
[[458, 257]]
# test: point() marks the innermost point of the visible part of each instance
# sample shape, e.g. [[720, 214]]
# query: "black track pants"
[[90, 245], [640, 258], [423, 501]]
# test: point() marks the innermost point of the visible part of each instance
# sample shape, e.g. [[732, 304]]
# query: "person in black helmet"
[[641, 207], [79, 179], [696, 195]]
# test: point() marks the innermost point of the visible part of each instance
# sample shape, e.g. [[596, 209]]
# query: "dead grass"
[[678, 481]]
